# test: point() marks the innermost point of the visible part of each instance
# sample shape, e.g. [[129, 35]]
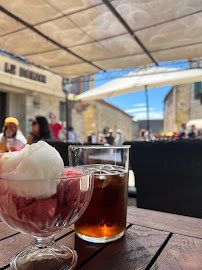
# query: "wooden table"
[[153, 240]]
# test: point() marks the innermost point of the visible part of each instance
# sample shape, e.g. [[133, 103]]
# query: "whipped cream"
[[33, 171]]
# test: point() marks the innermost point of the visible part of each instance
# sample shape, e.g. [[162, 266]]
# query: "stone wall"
[[16, 107], [169, 117], [109, 116], [176, 108], [195, 107], [77, 119], [135, 130], [99, 115], [13, 82], [46, 104], [182, 104], [26, 98]]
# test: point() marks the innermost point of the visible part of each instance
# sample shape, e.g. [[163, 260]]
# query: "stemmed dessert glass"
[[61, 203]]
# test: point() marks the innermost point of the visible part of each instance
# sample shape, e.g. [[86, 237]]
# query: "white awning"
[[82, 37], [196, 122], [137, 80]]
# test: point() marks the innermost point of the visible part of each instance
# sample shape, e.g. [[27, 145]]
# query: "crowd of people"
[[192, 134], [12, 138], [184, 133], [108, 138], [145, 135]]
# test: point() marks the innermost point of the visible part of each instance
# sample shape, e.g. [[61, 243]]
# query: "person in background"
[[182, 132], [109, 138], [94, 139], [192, 134], [102, 139], [149, 135], [91, 138], [119, 137], [55, 126], [72, 136], [200, 134], [124, 137], [142, 136], [11, 137], [40, 130]]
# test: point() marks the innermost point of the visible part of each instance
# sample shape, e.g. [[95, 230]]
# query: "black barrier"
[[168, 175], [62, 148]]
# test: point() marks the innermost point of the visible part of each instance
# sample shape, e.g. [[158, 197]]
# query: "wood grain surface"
[[164, 221], [153, 240], [181, 252], [6, 231], [133, 251]]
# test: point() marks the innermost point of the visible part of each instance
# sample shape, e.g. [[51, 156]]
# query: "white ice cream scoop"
[[33, 171]]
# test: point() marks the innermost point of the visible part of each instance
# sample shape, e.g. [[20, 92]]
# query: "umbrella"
[[144, 78], [135, 81]]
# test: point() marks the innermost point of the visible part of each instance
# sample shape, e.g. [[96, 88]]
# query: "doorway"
[[3, 100]]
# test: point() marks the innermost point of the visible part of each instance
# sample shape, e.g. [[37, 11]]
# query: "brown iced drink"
[[106, 213]]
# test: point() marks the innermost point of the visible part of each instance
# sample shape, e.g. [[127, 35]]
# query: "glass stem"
[[43, 242]]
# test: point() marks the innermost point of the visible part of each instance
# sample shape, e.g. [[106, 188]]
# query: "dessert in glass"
[[39, 196]]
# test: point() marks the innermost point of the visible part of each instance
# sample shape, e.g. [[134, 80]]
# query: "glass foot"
[[49, 258]]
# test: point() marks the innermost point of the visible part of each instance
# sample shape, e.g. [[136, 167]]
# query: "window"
[[63, 112], [86, 83], [197, 89]]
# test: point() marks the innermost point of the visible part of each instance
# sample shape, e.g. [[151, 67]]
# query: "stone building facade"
[[135, 130], [195, 107], [27, 91], [169, 112], [99, 116], [185, 102], [176, 107], [181, 104]]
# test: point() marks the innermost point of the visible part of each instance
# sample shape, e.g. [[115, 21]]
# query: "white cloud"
[[138, 110], [152, 115], [139, 105]]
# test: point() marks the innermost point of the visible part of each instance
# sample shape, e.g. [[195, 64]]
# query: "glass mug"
[[105, 218]]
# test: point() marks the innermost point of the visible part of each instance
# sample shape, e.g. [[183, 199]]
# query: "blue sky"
[[135, 103]]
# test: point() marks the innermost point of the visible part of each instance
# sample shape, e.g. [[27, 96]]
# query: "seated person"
[[72, 136], [182, 132], [11, 137], [109, 138], [40, 130], [192, 134]]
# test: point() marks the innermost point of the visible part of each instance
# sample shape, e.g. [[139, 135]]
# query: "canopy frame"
[[71, 38]]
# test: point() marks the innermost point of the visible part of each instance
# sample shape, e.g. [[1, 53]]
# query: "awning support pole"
[[147, 102]]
